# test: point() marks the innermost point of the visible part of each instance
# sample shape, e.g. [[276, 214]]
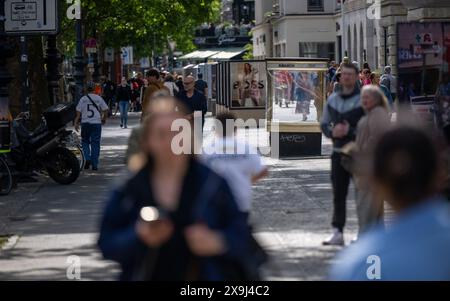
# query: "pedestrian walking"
[[390, 81], [109, 91], [371, 128], [406, 173], [92, 111], [154, 87], [201, 85], [193, 99], [366, 79], [236, 161], [169, 83], [179, 83], [340, 118], [123, 97], [175, 219]]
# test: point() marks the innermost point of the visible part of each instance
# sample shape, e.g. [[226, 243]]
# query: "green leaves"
[[145, 24]]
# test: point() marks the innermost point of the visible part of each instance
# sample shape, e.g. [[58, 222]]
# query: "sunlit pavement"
[[291, 217]]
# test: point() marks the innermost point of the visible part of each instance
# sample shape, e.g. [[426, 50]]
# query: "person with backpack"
[[92, 111], [123, 96]]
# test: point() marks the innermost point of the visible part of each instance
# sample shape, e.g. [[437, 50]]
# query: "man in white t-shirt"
[[93, 111], [237, 162]]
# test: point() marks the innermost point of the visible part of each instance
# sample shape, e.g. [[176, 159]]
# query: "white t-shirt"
[[89, 114], [238, 163]]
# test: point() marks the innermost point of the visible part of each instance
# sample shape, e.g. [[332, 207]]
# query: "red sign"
[[90, 43]]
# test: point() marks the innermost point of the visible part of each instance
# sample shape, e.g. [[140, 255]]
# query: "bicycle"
[[6, 179]]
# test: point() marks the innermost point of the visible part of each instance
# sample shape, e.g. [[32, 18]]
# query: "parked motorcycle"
[[44, 149]]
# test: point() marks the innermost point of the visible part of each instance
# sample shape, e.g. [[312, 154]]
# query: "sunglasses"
[[188, 83]]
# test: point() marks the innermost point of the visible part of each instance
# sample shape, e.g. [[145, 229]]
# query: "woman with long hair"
[[174, 219]]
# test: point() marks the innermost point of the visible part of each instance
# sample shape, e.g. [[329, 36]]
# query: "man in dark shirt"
[[201, 85], [193, 99]]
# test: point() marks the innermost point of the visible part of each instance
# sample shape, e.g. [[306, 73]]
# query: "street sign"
[[31, 17], [127, 55], [109, 55], [145, 62]]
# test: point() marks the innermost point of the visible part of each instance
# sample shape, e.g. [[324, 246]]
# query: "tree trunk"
[[39, 86]]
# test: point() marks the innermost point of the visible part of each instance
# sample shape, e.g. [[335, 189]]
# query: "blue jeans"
[[90, 139], [123, 107]]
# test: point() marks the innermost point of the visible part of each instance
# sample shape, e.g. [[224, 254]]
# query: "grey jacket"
[[342, 108]]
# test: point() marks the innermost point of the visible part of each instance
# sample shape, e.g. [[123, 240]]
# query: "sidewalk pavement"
[[291, 214]]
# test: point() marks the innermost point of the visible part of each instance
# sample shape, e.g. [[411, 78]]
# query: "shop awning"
[[219, 54], [227, 54], [198, 55]]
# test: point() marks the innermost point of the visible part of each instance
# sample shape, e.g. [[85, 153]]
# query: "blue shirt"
[[415, 247]]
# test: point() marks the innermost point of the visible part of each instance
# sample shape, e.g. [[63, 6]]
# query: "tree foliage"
[[144, 24]]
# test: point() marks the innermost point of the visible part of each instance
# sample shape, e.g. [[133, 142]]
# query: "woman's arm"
[[118, 240]]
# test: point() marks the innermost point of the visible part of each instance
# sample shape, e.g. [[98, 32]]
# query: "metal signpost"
[[33, 17]]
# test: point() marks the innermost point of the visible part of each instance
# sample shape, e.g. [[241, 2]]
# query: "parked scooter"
[[44, 150]]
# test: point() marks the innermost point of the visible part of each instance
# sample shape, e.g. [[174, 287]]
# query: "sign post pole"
[[24, 99], [6, 52]]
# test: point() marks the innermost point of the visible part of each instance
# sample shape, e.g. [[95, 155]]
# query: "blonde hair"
[[377, 94]]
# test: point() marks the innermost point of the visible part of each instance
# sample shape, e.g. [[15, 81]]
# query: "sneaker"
[[94, 168], [87, 165], [337, 239], [121, 125]]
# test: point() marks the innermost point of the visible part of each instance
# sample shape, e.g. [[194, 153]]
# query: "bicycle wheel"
[[6, 181]]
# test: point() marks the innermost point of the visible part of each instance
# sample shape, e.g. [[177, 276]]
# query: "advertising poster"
[[248, 85], [297, 95]]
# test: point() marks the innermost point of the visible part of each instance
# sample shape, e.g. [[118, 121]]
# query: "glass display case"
[[297, 92]]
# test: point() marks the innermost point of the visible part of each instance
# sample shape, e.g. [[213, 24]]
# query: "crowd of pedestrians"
[[179, 216], [390, 160]]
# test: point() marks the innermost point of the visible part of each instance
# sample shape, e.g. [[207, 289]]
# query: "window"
[[315, 6], [318, 50]]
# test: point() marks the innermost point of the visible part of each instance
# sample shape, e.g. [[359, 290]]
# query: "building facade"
[[363, 30], [291, 28]]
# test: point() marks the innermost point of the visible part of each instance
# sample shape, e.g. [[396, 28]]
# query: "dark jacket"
[[119, 242], [196, 103], [123, 93], [342, 108]]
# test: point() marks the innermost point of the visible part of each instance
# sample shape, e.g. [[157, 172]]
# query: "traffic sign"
[[29, 17], [109, 55], [127, 55]]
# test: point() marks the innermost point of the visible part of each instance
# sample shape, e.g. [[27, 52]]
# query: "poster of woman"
[[248, 84]]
